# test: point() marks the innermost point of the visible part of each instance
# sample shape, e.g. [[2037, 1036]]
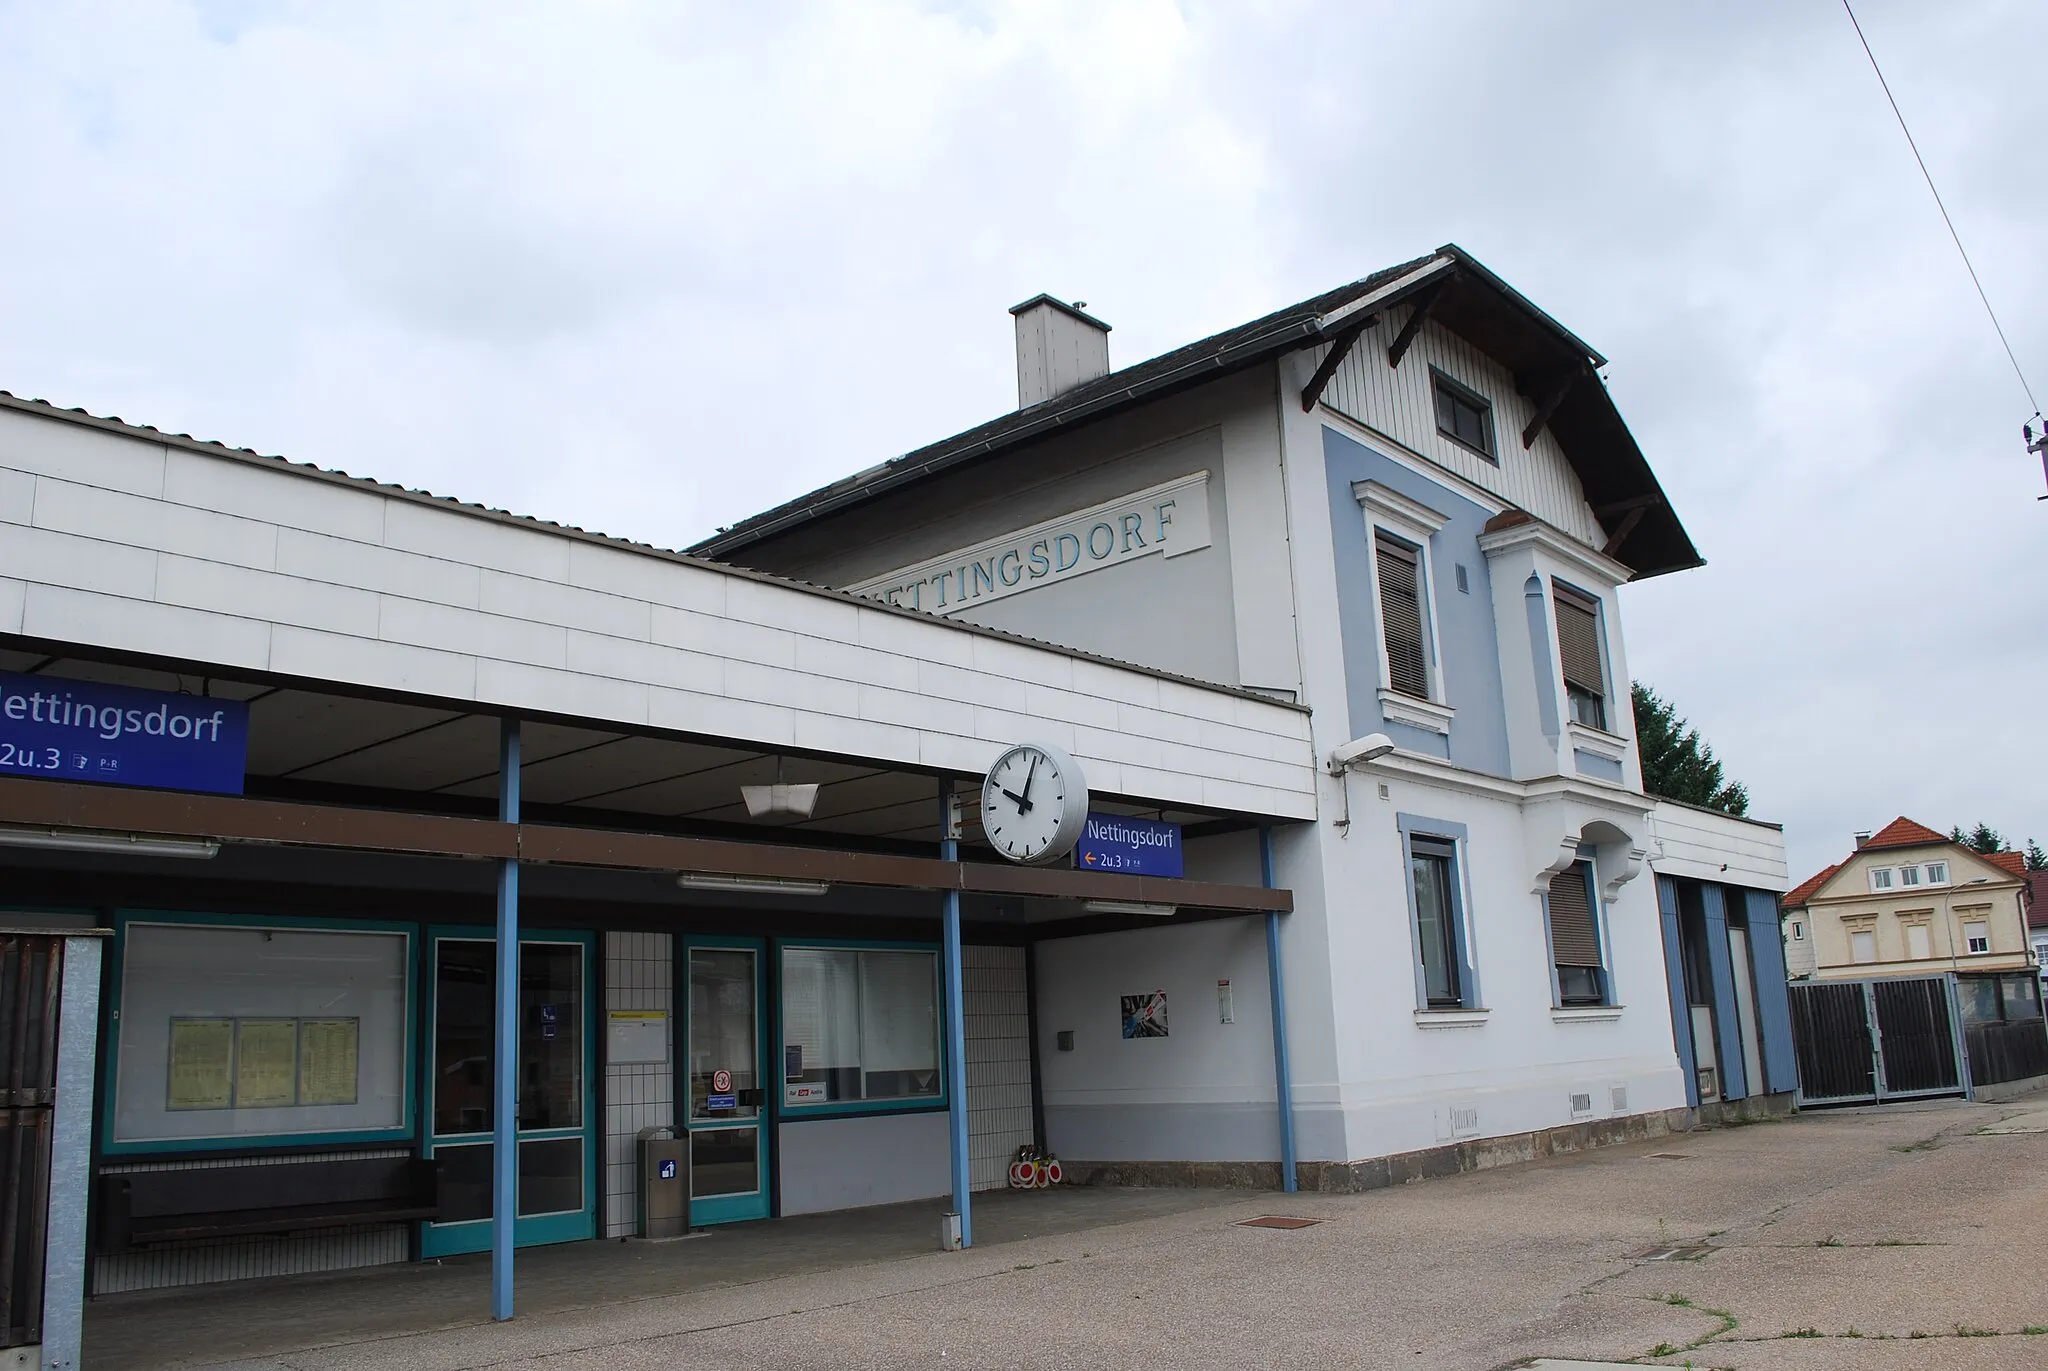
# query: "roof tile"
[[1806, 889], [1903, 832]]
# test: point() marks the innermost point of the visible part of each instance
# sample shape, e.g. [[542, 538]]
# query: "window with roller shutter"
[[1578, 650], [1400, 574], [1575, 937]]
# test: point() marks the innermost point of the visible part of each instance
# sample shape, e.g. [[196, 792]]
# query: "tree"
[[1676, 763], [1982, 838]]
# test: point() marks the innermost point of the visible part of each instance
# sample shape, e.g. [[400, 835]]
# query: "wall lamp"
[[1157, 911], [1370, 748], [750, 885], [126, 844]]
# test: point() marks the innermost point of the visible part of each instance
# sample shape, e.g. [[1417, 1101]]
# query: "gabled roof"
[[2037, 899], [1469, 300], [1798, 895], [2015, 862], [1903, 832]]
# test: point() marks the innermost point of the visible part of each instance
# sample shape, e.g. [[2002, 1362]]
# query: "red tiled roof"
[[2037, 899], [2015, 862], [1804, 891], [1903, 832]]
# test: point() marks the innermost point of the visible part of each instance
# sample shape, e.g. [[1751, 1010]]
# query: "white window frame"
[[1909, 875], [1937, 873], [1970, 940], [1880, 871], [1408, 521]]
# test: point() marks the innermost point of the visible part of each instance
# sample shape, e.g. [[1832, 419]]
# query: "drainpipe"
[[956, 1031], [505, 1059], [1282, 1075]]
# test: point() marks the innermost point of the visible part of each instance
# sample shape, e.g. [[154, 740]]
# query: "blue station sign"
[[119, 735], [1137, 847]]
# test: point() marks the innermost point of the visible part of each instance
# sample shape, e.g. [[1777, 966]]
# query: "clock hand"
[[1023, 805], [1030, 775]]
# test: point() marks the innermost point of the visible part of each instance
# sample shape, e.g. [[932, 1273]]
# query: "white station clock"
[[1034, 804]]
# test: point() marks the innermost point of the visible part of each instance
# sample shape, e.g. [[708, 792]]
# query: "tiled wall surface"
[[229, 1259], [639, 973], [126, 541], [998, 1014]]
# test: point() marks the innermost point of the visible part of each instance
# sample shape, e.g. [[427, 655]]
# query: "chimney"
[[1058, 348], [1862, 838]]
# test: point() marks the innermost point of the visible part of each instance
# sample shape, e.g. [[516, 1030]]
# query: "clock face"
[[1033, 804]]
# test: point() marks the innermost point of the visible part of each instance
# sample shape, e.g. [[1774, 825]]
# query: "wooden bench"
[[141, 1208]]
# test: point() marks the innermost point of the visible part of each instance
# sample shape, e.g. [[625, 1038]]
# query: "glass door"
[[557, 1147], [722, 1080]]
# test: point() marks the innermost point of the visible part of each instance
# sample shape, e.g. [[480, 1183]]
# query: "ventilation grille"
[[1465, 1121], [1582, 1103], [1618, 1098]]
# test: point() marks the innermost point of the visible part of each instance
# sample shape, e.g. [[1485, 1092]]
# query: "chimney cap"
[[1061, 305]]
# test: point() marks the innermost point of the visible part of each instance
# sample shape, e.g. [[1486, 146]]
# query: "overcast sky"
[[649, 268]]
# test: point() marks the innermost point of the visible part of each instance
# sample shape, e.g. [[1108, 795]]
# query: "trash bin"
[[664, 1184]]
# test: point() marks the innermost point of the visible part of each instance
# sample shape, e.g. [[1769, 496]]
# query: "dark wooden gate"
[[1868, 1041], [30, 965]]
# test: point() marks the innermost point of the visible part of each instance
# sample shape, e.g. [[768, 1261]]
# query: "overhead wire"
[[1928, 176]]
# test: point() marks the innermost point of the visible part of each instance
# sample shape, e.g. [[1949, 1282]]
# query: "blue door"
[[557, 1125], [721, 1079]]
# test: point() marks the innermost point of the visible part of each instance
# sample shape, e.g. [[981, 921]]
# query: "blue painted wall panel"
[[1721, 967], [1773, 998], [1674, 978], [1463, 632]]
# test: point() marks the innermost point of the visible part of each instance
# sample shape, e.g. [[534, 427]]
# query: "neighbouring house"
[[1933, 935], [2037, 917]]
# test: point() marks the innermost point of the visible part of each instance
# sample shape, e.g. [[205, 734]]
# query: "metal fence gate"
[[30, 965], [1868, 1041]]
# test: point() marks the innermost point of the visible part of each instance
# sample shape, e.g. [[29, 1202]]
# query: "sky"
[[650, 268]]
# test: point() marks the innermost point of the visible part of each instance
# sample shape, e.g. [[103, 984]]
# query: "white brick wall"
[[120, 540], [639, 973]]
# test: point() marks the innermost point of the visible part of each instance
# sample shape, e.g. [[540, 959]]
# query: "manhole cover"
[[1674, 1252], [1277, 1221]]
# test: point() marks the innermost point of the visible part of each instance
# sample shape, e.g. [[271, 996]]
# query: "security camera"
[[1369, 748]]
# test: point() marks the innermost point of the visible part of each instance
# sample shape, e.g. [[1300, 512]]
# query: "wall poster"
[[266, 1063], [201, 1067], [328, 1050], [1145, 1015]]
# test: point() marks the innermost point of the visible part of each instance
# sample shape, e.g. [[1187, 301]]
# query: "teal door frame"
[[474, 1235], [727, 1208]]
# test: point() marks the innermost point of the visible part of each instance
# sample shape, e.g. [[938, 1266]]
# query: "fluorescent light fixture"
[[127, 844], [1157, 911], [750, 885], [780, 798]]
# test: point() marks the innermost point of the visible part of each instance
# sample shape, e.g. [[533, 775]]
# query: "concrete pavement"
[[1909, 1236]]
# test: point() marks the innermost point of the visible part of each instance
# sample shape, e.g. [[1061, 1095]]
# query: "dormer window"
[[1463, 415], [1880, 878]]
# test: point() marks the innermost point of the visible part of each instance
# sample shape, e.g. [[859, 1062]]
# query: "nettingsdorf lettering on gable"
[[1168, 519]]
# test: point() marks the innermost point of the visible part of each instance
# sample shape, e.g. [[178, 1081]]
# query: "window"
[[859, 1025], [1977, 937], [1798, 931], [1863, 945], [1917, 945], [1400, 571], [1578, 649], [1937, 873], [1575, 937], [1909, 875], [1463, 415], [1432, 867], [1880, 878], [233, 1034]]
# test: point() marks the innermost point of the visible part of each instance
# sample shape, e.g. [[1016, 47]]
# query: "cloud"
[[652, 267]]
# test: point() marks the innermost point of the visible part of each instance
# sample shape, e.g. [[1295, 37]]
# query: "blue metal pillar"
[[956, 1024], [505, 1093], [1283, 1075], [1727, 1023]]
